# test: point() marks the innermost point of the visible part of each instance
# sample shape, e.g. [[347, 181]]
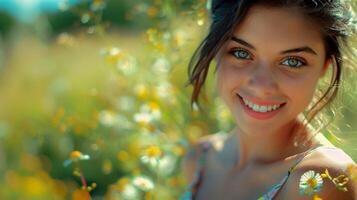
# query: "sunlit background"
[[93, 98]]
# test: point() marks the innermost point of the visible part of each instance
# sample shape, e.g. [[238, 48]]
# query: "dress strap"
[[205, 146], [308, 152], [192, 189]]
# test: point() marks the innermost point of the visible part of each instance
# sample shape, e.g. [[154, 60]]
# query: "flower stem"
[[84, 182]]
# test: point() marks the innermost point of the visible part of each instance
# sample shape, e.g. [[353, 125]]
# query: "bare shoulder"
[[340, 169], [194, 152]]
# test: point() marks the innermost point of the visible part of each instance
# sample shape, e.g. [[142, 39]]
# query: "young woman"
[[270, 55]]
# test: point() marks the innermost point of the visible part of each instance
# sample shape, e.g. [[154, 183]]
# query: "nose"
[[262, 81]]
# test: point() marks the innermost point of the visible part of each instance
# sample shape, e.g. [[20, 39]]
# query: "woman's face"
[[272, 63]]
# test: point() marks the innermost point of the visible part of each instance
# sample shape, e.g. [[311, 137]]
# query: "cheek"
[[219, 79], [301, 91], [228, 79]]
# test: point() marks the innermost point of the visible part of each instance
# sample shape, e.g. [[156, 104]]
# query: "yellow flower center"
[[312, 182], [316, 197], [75, 155], [153, 151], [154, 106], [143, 184]]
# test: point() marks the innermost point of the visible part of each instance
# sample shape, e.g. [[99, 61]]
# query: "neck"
[[254, 148]]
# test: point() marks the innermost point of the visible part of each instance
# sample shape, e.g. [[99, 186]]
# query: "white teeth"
[[270, 108], [258, 108]]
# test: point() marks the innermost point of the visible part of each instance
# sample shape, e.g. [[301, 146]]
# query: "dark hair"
[[335, 18]]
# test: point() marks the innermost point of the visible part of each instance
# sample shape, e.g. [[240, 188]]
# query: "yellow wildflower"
[[153, 151], [121, 184], [107, 167], [152, 11], [141, 91], [352, 172], [154, 106], [326, 174], [341, 182], [178, 150], [122, 155], [75, 156], [316, 197]]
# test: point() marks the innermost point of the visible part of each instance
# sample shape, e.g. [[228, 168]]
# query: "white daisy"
[[130, 192], [143, 183], [310, 182], [107, 118]]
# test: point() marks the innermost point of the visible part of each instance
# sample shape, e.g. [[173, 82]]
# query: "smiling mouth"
[[261, 108]]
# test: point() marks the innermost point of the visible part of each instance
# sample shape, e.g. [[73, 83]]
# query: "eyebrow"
[[294, 50]]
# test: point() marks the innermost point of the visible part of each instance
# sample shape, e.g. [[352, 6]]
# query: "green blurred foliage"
[[6, 23]]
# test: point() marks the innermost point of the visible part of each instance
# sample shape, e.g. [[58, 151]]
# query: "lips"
[[261, 102], [260, 109]]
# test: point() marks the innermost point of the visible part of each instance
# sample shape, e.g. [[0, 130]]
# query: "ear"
[[327, 63]]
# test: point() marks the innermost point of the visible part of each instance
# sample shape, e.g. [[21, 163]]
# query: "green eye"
[[293, 62], [241, 54]]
